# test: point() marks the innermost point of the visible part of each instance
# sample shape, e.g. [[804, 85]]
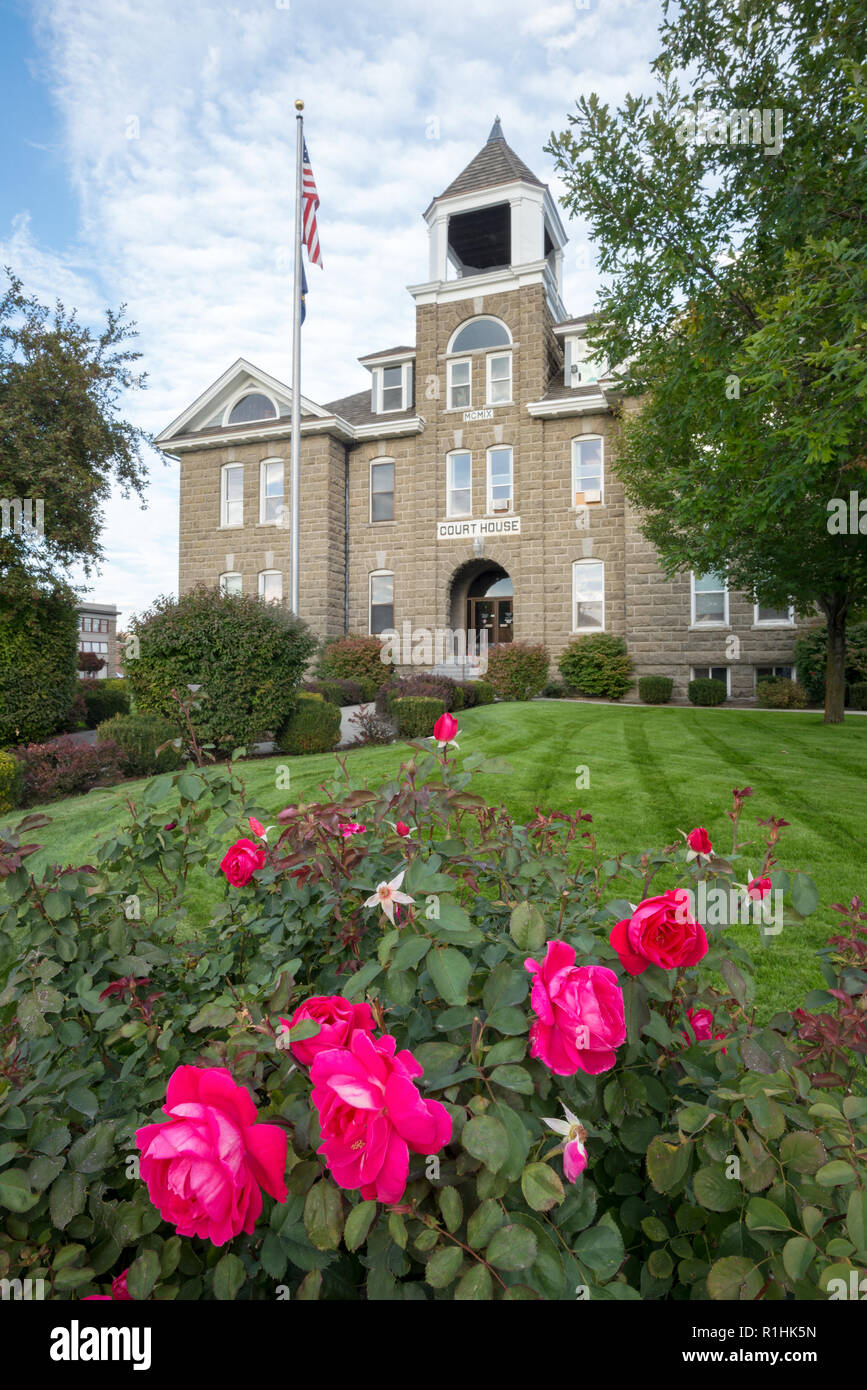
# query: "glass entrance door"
[[491, 615]]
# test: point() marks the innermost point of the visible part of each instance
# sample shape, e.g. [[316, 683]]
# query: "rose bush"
[[479, 1093]]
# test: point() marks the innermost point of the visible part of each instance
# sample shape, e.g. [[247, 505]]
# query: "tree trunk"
[[835, 669]]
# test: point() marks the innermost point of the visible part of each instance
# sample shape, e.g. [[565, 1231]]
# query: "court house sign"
[[487, 526]]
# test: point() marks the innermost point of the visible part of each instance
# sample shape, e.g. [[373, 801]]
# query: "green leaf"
[[93, 1151], [410, 952], [512, 1247], [443, 1266], [514, 1079], [323, 1215], [487, 1218], [507, 984], [310, 1287], [734, 1277], [601, 1249], [475, 1286], [856, 1221], [82, 1100], [510, 1050], [803, 1152], [508, 1020], [66, 1198], [763, 1215], [541, 1187], [714, 1190], [755, 1057], [836, 1173], [805, 894], [357, 983], [797, 1256], [654, 1229], [451, 1207], [660, 1264], [667, 1163], [229, 1275], [527, 928], [143, 1274], [486, 1138], [450, 971], [15, 1194], [212, 1015]]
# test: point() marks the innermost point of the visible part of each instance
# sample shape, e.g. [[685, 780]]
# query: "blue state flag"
[[303, 292]]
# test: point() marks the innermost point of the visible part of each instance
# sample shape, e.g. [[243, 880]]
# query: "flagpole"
[[295, 453]]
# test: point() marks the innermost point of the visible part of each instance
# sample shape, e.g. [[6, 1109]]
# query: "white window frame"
[[250, 390], [263, 575], [231, 574], [578, 440], [704, 627], [374, 463], [773, 622], [577, 566], [450, 488], [773, 665], [459, 362], [489, 498], [281, 519], [379, 574], [710, 666], [379, 387], [489, 359], [476, 318], [224, 498]]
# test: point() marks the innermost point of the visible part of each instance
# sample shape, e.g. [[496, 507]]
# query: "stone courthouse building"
[[474, 486]]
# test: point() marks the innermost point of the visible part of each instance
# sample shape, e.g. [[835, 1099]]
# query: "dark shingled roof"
[[495, 163], [557, 391], [387, 352], [355, 410]]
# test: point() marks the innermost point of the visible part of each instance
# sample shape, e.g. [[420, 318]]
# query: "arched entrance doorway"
[[490, 605]]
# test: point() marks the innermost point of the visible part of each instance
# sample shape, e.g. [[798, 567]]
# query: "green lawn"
[[652, 771]]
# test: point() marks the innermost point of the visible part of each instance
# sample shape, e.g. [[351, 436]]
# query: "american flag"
[[310, 199]]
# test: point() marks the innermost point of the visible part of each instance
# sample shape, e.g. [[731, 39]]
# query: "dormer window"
[[580, 370], [391, 388], [253, 406]]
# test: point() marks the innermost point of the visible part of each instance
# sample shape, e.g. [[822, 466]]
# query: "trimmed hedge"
[[102, 699], [597, 665], [518, 670], [65, 767], [246, 655], [313, 727], [139, 736], [858, 695], [415, 715], [357, 659], [10, 781], [423, 684], [38, 654], [655, 690], [484, 692], [778, 693], [706, 691], [336, 692]]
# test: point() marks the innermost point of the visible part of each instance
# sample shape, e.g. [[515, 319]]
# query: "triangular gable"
[[207, 410]]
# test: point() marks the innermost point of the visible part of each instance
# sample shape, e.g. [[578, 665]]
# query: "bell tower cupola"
[[494, 228]]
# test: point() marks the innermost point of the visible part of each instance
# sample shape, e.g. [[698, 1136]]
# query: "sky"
[[148, 160]]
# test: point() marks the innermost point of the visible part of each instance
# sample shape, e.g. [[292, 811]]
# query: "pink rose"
[[699, 840], [660, 932], [241, 862], [580, 1013], [574, 1160], [701, 1023], [257, 827], [445, 728], [372, 1116], [119, 1292], [338, 1020], [204, 1166], [759, 887], [349, 829]]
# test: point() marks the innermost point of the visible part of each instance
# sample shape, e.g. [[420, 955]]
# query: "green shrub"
[[858, 695], [485, 694], [246, 656], [597, 665], [777, 693], [139, 736], [415, 715], [517, 670], [10, 781], [655, 690], [337, 692], [102, 699], [706, 691], [313, 727], [811, 648], [358, 659], [423, 683], [38, 654]]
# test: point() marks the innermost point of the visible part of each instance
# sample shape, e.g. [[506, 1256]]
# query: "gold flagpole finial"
[[299, 105]]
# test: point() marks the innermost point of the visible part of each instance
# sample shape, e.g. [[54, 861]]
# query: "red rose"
[[241, 862], [445, 728], [660, 932], [759, 887], [699, 840], [701, 1023], [402, 828]]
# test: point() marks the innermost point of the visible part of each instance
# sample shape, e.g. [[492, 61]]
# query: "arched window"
[[480, 333], [588, 596], [491, 584], [253, 406]]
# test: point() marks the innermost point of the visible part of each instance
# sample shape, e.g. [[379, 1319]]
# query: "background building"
[[475, 484], [97, 632]]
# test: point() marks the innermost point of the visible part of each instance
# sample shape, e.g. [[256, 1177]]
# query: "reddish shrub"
[[65, 767]]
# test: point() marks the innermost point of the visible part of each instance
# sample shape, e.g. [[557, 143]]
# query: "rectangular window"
[[382, 491], [271, 492], [499, 481], [459, 485], [587, 478], [85, 624], [460, 385], [499, 379], [381, 603], [716, 673], [232, 502], [710, 600], [271, 586], [588, 596], [392, 388], [786, 673], [230, 584], [764, 616]]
